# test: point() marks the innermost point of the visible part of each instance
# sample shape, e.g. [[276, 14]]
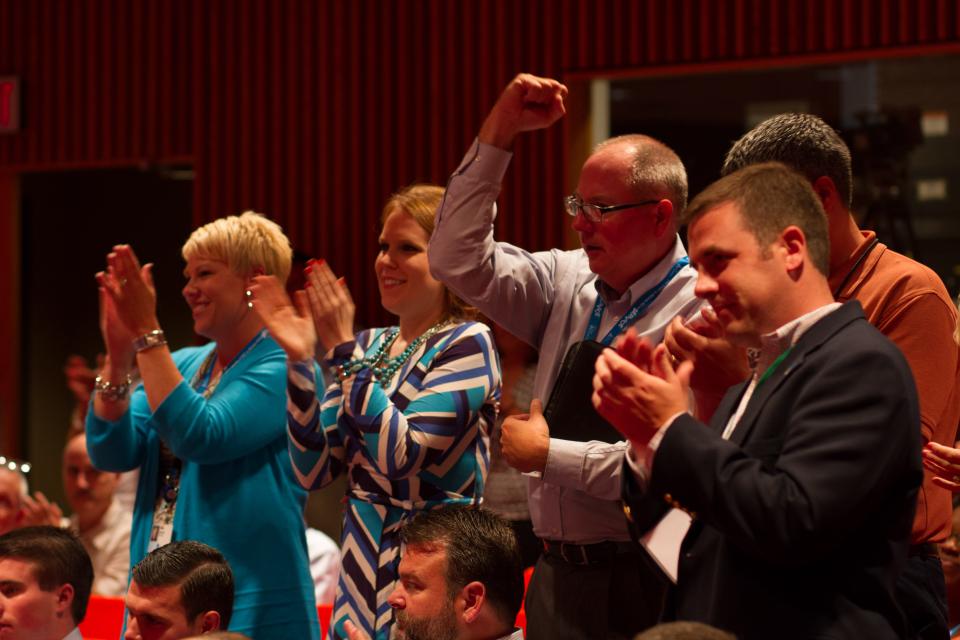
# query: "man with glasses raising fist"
[[631, 271]]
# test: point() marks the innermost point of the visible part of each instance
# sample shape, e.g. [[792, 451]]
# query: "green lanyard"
[[773, 366]]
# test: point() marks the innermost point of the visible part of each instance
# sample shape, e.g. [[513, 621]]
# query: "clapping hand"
[[944, 463], [38, 511], [354, 632], [718, 364], [80, 377], [291, 326], [130, 288], [636, 389], [331, 306], [127, 298]]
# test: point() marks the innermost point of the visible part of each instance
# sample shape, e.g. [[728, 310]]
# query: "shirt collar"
[[857, 272], [776, 342], [74, 635]]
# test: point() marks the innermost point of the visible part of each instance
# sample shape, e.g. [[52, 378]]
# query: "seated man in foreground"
[[460, 578], [45, 578], [179, 590], [802, 489]]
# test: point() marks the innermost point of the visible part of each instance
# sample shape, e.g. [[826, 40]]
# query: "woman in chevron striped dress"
[[408, 413]]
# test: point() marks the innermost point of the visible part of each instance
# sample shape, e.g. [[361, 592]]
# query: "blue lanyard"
[[639, 307], [202, 380]]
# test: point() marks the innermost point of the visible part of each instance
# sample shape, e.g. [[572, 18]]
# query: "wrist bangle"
[[112, 392], [149, 340]]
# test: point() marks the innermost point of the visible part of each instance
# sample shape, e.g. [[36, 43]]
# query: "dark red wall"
[[315, 111]]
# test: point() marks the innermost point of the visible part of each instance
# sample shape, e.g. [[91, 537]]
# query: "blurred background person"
[[950, 557], [409, 412], [99, 520], [324, 557], [506, 489], [17, 507], [81, 379], [13, 488], [206, 426]]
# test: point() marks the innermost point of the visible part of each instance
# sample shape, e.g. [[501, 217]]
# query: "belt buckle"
[[582, 560]]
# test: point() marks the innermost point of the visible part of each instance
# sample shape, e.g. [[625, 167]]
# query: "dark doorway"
[[69, 223]]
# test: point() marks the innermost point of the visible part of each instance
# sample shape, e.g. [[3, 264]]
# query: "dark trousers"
[[614, 599], [922, 595], [530, 545]]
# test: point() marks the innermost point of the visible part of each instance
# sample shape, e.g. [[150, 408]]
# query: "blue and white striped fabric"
[[420, 443]]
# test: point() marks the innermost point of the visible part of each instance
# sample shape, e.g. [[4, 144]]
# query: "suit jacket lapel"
[[729, 404], [763, 393], [811, 340]]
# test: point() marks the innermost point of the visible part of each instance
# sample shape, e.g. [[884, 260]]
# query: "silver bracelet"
[[112, 392], [149, 340]]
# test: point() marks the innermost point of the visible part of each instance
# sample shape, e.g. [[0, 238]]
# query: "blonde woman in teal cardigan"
[[207, 425]]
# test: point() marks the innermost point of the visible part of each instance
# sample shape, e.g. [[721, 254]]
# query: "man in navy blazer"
[[802, 489]]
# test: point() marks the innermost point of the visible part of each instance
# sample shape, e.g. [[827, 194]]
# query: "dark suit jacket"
[[802, 519]]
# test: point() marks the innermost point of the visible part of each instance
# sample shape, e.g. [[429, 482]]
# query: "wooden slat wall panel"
[[314, 111], [104, 82], [368, 96]]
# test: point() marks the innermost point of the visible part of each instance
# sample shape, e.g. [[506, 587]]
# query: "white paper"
[[663, 541]]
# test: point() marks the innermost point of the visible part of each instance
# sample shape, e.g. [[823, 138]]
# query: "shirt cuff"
[[485, 163], [564, 462], [640, 459]]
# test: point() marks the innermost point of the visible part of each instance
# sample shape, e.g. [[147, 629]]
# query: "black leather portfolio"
[[570, 411]]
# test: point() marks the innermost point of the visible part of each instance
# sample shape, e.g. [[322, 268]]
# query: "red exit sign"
[[9, 104]]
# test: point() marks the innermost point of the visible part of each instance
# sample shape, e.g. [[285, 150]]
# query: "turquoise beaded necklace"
[[382, 366]]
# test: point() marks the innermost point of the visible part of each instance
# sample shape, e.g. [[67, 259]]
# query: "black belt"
[[928, 549], [586, 554]]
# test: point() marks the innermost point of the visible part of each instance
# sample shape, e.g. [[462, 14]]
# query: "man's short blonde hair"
[[245, 243]]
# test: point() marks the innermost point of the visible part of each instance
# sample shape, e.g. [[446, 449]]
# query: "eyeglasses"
[[596, 212]]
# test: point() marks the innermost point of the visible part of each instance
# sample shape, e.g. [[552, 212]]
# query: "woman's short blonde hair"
[[420, 202], [246, 243]]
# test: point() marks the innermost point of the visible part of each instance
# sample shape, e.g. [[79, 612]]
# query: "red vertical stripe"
[[813, 26], [739, 29], [135, 146], [633, 23], [904, 26], [773, 26], [314, 110], [652, 30], [723, 30], [829, 25], [849, 23], [199, 39], [707, 20], [885, 22], [60, 54]]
